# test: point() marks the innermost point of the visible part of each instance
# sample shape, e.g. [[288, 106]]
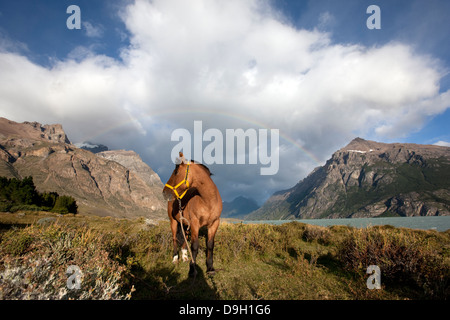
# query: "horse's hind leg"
[[179, 241], [194, 249], [184, 252], [174, 228], [210, 246]]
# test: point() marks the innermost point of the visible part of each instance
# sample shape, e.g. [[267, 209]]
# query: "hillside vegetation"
[[18, 195], [131, 259]]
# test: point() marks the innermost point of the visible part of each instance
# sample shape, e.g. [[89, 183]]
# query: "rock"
[[368, 179], [46, 221], [132, 161], [115, 183], [34, 130]]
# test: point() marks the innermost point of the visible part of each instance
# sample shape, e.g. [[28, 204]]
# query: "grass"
[[123, 259]]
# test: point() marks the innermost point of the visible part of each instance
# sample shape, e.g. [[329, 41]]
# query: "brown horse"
[[191, 186]]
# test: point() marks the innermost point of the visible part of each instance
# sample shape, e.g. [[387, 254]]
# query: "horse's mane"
[[200, 164], [203, 166]]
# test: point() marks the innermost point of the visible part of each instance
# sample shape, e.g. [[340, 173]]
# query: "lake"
[[439, 223]]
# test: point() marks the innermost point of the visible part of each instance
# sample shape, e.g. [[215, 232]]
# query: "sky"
[[136, 71]]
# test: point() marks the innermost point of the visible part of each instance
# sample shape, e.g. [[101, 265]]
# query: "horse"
[[193, 202]]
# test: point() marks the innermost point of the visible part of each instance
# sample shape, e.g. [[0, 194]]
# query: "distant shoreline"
[[438, 223]]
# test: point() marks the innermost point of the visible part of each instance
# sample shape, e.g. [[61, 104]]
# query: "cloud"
[[232, 64], [93, 31], [442, 143], [9, 45], [326, 20]]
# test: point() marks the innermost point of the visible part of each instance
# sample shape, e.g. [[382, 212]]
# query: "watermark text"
[[237, 146]]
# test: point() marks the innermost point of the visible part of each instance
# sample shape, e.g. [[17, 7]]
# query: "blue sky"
[[41, 26], [138, 70]]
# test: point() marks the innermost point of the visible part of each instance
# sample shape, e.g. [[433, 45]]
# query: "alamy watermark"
[[74, 279], [74, 20], [374, 21], [229, 148], [374, 280]]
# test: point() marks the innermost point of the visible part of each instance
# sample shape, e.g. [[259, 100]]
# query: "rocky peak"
[[366, 179], [132, 161], [360, 144], [116, 183], [370, 152], [34, 130]]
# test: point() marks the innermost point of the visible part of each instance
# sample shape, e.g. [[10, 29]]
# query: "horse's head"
[[179, 182]]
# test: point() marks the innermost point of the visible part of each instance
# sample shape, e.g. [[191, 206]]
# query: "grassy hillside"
[[131, 259]]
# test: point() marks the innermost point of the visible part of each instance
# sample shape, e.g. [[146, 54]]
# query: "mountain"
[[369, 179], [239, 207], [114, 183], [132, 161], [92, 147]]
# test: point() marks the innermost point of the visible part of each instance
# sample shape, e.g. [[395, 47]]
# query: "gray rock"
[[46, 221]]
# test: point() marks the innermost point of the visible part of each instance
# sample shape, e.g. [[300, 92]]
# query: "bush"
[[403, 258], [18, 191], [34, 262], [48, 199], [65, 204], [18, 195], [317, 233], [5, 207], [24, 207]]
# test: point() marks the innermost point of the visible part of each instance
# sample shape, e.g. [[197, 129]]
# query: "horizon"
[[136, 71]]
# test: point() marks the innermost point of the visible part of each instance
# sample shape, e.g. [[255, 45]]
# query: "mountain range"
[[110, 183], [239, 207], [363, 179], [368, 179], [92, 147]]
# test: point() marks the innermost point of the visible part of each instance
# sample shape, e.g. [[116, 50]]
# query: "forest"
[[16, 194]]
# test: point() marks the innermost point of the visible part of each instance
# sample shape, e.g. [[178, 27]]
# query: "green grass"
[[123, 258]]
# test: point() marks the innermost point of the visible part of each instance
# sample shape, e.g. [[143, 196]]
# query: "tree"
[[48, 199], [18, 194], [18, 191], [65, 204]]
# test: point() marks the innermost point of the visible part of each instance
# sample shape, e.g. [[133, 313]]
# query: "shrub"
[[48, 199], [21, 195], [18, 191], [403, 258], [65, 204], [34, 261], [24, 207], [317, 233]]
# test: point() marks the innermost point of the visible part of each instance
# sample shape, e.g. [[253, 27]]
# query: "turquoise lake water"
[[439, 223]]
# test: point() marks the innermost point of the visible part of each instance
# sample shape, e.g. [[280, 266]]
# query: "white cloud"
[[222, 62], [93, 31], [9, 45], [326, 20], [442, 143]]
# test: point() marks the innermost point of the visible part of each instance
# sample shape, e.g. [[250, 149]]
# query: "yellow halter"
[[178, 185]]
